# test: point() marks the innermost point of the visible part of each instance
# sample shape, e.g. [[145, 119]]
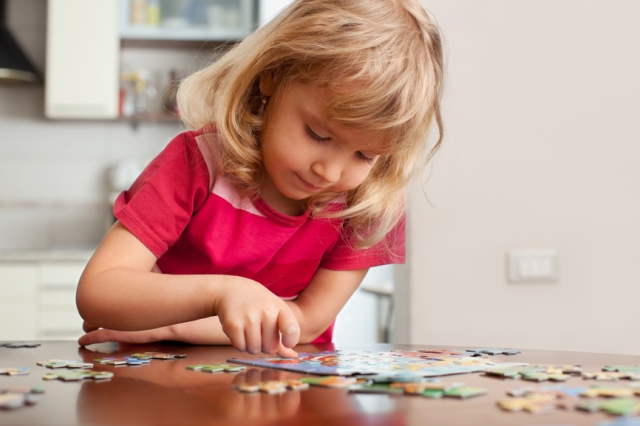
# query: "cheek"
[[354, 177]]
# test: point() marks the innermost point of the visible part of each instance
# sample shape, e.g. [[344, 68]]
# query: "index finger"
[[289, 328]]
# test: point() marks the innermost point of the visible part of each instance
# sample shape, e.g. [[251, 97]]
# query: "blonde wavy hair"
[[391, 48]]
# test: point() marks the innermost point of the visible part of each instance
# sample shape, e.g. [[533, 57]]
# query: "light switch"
[[533, 265]]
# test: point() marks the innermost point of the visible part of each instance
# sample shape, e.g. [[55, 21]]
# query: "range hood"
[[14, 65]]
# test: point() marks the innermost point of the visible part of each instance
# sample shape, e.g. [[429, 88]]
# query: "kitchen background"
[[530, 237]]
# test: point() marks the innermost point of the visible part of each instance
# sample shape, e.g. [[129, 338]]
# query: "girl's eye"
[[315, 136], [363, 157]]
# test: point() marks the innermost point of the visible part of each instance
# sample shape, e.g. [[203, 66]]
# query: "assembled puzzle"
[[395, 364]]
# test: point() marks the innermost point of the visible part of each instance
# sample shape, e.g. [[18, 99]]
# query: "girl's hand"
[[255, 320], [101, 335]]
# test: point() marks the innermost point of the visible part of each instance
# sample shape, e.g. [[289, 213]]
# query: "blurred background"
[[529, 237]]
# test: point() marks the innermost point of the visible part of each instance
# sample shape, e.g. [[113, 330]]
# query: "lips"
[[308, 185]]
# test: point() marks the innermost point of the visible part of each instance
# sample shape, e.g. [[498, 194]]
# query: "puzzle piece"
[[157, 355], [622, 368], [20, 371], [64, 363], [417, 388], [572, 392], [610, 391], [330, 381], [11, 398], [617, 406], [537, 373], [273, 386], [214, 368], [77, 375], [16, 345], [494, 351], [624, 421], [129, 360], [541, 400], [611, 375]]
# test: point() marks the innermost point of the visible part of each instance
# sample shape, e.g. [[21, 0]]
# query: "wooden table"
[[165, 393]]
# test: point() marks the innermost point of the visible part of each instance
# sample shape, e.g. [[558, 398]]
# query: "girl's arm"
[[315, 309], [118, 291]]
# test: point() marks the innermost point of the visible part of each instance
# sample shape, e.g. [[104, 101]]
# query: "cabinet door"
[[59, 318], [82, 59], [17, 302]]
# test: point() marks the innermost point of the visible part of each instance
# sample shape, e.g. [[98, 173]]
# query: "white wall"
[[542, 117]]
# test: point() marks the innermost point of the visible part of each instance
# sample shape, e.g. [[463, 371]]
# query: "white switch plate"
[[533, 265]]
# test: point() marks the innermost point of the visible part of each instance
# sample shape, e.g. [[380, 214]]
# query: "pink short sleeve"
[[390, 250], [160, 203]]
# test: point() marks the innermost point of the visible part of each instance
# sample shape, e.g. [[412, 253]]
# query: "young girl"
[[256, 229]]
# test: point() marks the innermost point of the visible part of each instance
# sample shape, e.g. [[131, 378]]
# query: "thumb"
[[289, 328]]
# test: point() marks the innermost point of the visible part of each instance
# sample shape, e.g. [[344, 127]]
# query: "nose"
[[328, 169]]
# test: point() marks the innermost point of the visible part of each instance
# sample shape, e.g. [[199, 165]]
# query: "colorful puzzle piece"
[[617, 406], [494, 351], [214, 368], [16, 397], [16, 345], [537, 373], [610, 392], [157, 355], [273, 386], [611, 375], [77, 375], [330, 381], [64, 363], [20, 371], [624, 421], [541, 400], [129, 360], [622, 368]]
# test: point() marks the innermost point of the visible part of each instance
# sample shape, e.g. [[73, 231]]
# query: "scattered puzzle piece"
[[157, 355], [537, 373], [494, 351], [294, 384], [330, 382], [611, 375], [20, 371], [624, 421], [618, 406], [77, 375], [64, 363], [610, 391], [16, 345], [541, 400], [214, 368], [622, 368], [129, 360], [19, 396]]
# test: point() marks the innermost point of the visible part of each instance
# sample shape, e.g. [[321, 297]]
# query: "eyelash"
[[320, 139]]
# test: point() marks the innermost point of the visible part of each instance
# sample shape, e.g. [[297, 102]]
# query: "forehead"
[[314, 103]]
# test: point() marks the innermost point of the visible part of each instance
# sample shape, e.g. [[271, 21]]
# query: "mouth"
[[308, 185]]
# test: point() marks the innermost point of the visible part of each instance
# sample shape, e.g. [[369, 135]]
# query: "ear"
[[267, 85]]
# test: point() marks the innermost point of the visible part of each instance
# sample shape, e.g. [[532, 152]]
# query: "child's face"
[[306, 153]]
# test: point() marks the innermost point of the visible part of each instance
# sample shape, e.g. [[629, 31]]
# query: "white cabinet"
[[82, 59], [86, 75], [37, 298]]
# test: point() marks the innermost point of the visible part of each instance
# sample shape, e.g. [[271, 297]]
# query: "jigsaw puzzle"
[[64, 363], [78, 375], [410, 365]]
